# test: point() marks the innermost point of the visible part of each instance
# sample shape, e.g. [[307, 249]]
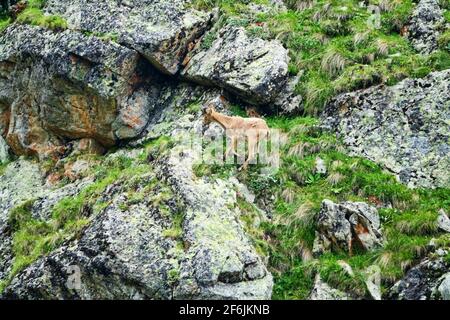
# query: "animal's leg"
[[231, 148], [235, 147], [252, 143]]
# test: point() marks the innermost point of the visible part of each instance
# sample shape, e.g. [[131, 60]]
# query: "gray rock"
[[322, 291], [242, 190], [342, 226], [252, 68], [20, 181], [443, 221], [223, 258], [287, 101], [160, 30], [373, 282], [423, 282], [424, 25], [173, 115], [405, 127]]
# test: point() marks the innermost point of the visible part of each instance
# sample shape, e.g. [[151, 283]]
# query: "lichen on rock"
[[424, 26]]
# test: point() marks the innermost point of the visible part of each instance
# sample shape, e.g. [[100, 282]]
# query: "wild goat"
[[252, 129]]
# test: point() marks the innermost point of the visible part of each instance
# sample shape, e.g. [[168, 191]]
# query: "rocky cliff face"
[[75, 84], [101, 199], [71, 86], [133, 247], [109, 78]]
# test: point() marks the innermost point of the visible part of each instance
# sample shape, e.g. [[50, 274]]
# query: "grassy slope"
[[334, 48], [409, 219], [336, 51]]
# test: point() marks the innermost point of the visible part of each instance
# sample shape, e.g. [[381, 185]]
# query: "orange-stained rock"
[[59, 87], [90, 146]]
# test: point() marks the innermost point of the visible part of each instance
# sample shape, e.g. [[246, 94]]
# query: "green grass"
[[3, 167], [5, 21], [110, 36], [176, 230], [34, 15]]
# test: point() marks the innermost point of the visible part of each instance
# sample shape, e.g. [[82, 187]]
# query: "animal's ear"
[[209, 110]]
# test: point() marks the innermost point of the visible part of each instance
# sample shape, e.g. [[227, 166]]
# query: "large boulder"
[[429, 280], [23, 182], [404, 127], [424, 25], [20, 181], [160, 30], [71, 86], [252, 68], [347, 225]]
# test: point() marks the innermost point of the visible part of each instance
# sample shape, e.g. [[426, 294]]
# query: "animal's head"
[[208, 114]]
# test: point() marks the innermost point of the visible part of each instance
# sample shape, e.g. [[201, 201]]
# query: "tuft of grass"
[[176, 231], [208, 40], [109, 36], [3, 167], [34, 15]]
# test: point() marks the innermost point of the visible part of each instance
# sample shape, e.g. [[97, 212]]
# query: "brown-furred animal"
[[252, 129]]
